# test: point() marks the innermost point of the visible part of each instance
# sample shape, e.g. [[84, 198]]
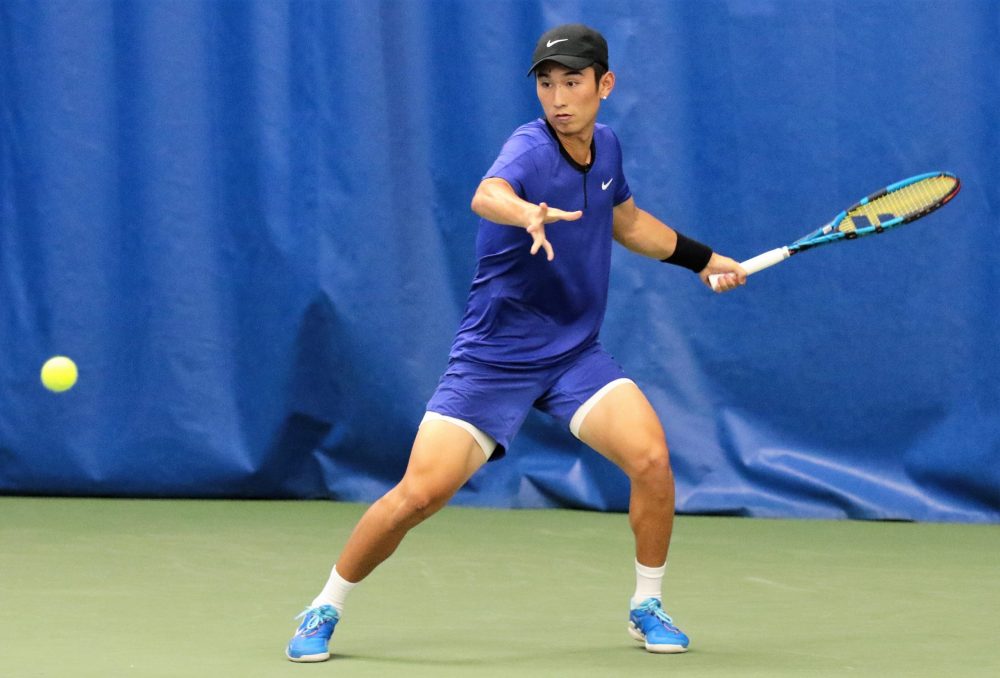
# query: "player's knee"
[[650, 464], [417, 502]]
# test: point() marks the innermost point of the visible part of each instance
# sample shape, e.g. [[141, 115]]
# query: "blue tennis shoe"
[[311, 642], [649, 624]]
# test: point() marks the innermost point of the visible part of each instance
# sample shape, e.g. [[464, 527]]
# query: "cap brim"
[[574, 62]]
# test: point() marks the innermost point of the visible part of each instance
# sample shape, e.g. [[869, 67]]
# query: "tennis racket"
[[895, 205]]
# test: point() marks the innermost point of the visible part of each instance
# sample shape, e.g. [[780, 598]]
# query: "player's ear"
[[606, 84]]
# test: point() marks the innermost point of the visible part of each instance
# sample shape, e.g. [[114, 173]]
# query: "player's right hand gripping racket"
[[895, 205]]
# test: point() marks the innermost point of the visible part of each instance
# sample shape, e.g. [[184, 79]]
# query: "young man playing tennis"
[[529, 337]]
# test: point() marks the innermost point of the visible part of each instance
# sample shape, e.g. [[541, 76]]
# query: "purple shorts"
[[497, 399]]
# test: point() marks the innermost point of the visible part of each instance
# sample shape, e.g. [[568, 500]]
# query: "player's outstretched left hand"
[[732, 274]]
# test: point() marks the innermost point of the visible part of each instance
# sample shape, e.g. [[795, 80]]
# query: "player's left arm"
[[641, 232]]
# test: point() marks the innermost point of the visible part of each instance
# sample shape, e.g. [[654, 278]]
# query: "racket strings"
[[906, 201]]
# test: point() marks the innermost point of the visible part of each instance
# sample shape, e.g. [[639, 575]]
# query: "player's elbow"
[[492, 197], [626, 237], [482, 199], [477, 201], [624, 230]]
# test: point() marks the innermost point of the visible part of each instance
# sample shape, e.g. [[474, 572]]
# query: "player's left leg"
[[622, 426]]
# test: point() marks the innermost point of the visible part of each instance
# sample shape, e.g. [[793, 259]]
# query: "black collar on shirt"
[[573, 163]]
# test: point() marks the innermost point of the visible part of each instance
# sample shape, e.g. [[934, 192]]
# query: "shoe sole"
[[308, 658], [658, 649]]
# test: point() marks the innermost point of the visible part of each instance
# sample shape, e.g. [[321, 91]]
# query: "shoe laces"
[[317, 616], [653, 606]]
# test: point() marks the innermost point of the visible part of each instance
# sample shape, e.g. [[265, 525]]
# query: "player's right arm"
[[496, 201]]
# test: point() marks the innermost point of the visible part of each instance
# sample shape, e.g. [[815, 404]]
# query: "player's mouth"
[[563, 117]]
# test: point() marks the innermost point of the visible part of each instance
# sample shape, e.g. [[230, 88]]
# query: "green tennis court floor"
[[210, 588]]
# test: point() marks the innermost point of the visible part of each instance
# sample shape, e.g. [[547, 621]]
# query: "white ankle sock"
[[648, 582], [335, 592]]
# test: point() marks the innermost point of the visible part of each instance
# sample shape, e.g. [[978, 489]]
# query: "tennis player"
[[550, 206]]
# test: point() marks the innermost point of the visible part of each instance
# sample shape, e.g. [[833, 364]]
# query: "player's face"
[[570, 98]]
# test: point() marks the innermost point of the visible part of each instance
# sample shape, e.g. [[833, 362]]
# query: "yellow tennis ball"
[[59, 374]]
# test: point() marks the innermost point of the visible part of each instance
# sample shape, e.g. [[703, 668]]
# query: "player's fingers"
[[541, 243], [731, 281], [723, 282], [560, 215]]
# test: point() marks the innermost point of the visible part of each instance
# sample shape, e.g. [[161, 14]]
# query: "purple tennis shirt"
[[524, 310]]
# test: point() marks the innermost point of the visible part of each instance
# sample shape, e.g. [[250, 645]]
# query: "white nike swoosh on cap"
[[552, 42], [604, 185]]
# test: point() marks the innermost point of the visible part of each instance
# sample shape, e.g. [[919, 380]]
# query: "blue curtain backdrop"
[[249, 224]]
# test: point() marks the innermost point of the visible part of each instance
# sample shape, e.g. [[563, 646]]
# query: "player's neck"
[[578, 145]]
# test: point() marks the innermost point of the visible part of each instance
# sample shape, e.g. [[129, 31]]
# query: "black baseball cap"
[[573, 45]]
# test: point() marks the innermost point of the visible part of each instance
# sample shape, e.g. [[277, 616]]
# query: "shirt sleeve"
[[517, 164], [622, 190]]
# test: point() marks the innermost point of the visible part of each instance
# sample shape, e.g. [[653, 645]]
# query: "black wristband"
[[690, 254]]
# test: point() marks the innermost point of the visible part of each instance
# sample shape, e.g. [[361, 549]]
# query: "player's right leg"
[[443, 458]]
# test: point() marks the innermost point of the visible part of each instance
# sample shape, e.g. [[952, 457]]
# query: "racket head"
[[897, 204]]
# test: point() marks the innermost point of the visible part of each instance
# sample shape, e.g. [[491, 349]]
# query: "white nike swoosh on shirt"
[[605, 184], [552, 42]]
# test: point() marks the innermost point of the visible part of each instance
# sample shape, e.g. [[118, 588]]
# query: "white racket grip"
[[757, 263]]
